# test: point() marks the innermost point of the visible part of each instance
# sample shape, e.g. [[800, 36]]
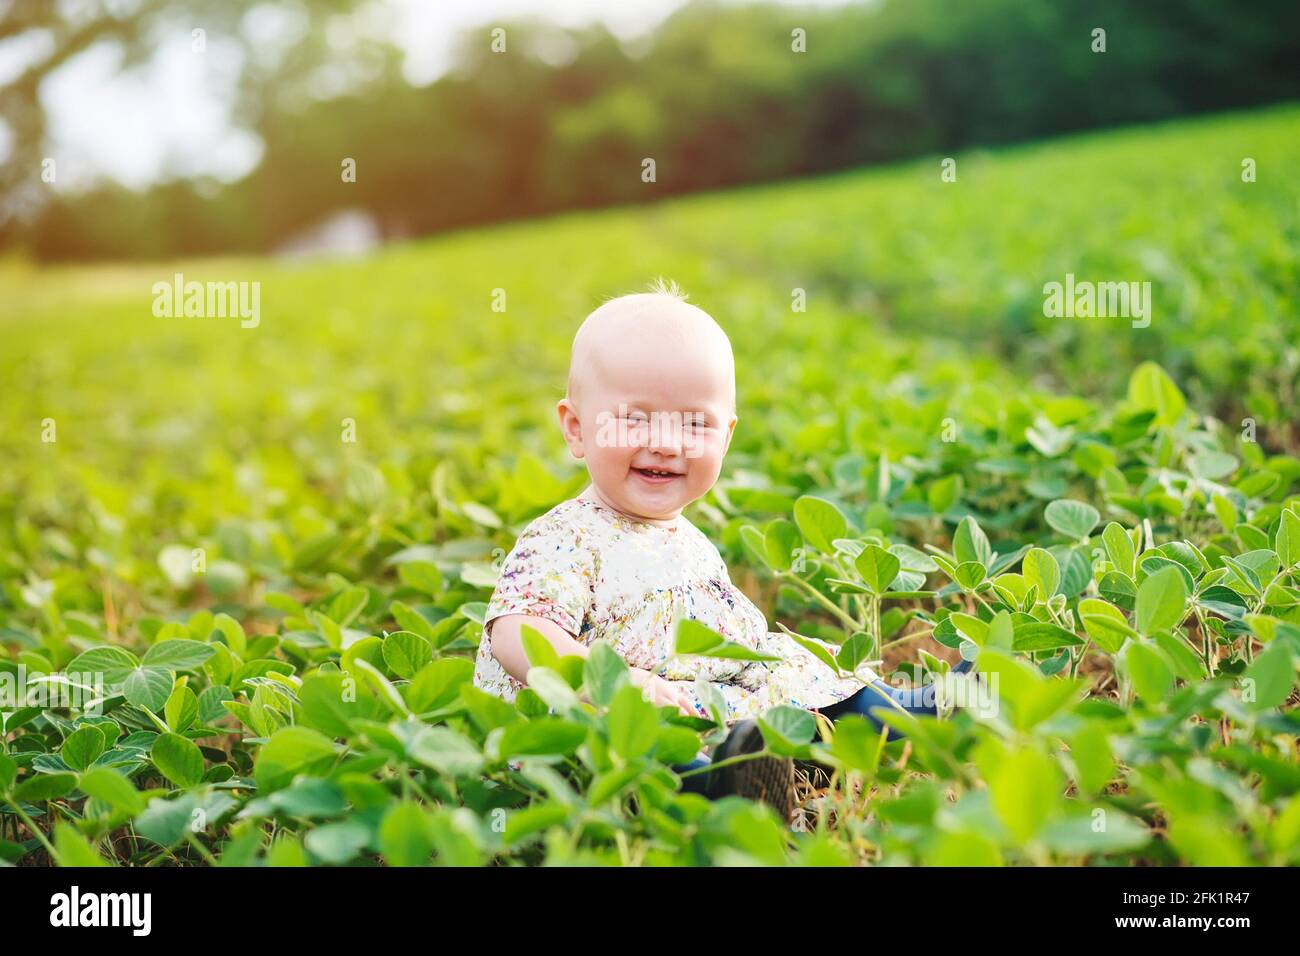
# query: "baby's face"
[[653, 420]]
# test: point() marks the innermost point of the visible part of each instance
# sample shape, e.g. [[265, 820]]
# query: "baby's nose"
[[666, 437]]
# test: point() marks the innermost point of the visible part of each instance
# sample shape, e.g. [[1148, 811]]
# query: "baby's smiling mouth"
[[657, 475]]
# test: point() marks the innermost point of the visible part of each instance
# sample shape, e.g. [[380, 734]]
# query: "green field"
[[923, 399]]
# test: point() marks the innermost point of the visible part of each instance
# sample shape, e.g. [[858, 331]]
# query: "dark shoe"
[[768, 779]]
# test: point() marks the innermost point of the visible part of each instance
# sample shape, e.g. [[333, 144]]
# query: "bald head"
[[645, 330]]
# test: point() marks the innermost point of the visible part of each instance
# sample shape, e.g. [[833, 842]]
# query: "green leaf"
[[1273, 676], [178, 654], [165, 821], [348, 604], [539, 651], [83, 747], [413, 621], [45, 786], [602, 673], [1001, 632], [694, 638], [1151, 389], [1244, 575], [878, 567], [309, 798], [675, 744], [291, 750], [856, 744], [113, 788], [1080, 834], [1287, 539], [1225, 511], [1025, 791], [532, 820], [178, 759], [1093, 760], [364, 485], [1073, 519], [1118, 589], [1161, 600], [781, 540], [545, 736], [607, 785], [233, 632], [1151, 676], [480, 514], [382, 686], [1042, 636], [337, 843], [113, 664], [633, 724], [854, 651], [406, 653], [446, 751], [785, 727], [438, 684], [421, 575], [1041, 569], [1076, 570], [487, 711], [820, 522], [1214, 465], [970, 543], [148, 687], [970, 575], [752, 538], [962, 849], [330, 701], [553, 689], [1105, 624], [405, 836], [944, 492], [73, 849], [972, 628], [181, 709], [815, 648], [1180, 655]]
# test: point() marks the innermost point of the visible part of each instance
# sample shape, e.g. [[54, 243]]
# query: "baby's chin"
[[662, 499]]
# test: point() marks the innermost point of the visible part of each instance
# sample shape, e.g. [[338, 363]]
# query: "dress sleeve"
[[550, 573]]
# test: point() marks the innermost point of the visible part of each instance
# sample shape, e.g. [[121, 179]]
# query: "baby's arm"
[[507, 647]]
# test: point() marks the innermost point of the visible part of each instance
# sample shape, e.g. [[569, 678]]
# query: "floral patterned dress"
[[599, 574]]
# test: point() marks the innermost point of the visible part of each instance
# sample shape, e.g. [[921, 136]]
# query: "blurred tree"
[[52, 33], [717, 95]]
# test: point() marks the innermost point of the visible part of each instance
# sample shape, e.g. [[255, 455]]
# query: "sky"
[[172, 116]]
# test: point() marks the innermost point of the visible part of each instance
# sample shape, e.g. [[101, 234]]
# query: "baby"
[[651, 409]]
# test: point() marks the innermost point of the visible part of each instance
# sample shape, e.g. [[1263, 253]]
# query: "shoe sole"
[[768, 780]]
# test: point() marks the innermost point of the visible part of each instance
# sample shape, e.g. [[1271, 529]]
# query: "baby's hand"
[[664, 693]]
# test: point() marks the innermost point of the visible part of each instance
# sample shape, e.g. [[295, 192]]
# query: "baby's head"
[[651, 403]]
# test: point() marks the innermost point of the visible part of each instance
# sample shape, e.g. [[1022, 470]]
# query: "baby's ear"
[[570, 426], [731, 430]]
